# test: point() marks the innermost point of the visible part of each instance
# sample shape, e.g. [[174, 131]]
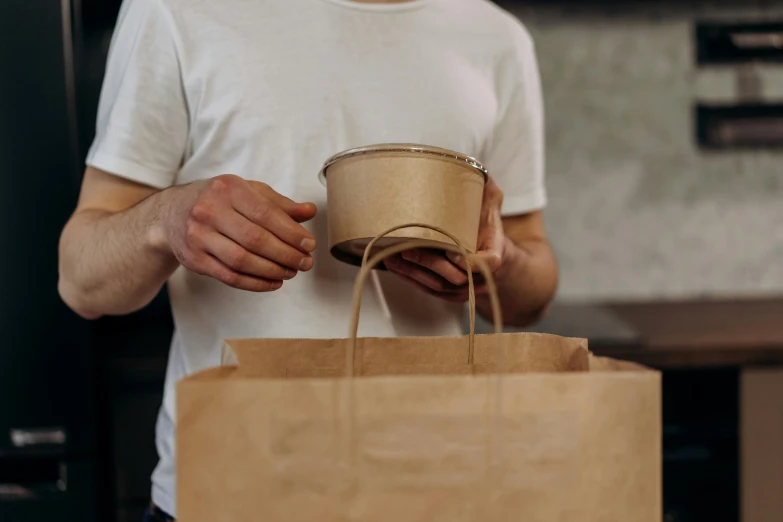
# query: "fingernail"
[[306, 263], [276, 285], [289, 274], [307, 244], [411, 255], [457, 260]]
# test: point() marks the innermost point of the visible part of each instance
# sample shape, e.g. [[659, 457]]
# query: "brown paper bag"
[[497, 428]]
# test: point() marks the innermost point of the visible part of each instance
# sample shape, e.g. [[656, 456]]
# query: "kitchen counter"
[[703, 333], [675, 334]]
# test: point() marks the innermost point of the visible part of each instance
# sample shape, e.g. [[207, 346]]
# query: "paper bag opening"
[[325, 358]]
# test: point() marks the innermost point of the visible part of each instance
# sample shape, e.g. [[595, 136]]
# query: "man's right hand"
[[239, 232]]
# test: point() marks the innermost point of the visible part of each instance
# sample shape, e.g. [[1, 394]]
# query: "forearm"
[[526, 283], [114, 263]]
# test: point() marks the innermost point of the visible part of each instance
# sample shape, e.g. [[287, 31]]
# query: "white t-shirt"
[[268, 89]]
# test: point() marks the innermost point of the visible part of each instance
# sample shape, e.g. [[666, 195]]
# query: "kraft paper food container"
[[372, 189]]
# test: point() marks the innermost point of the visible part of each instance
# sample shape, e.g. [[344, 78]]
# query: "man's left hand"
[[445, 275]]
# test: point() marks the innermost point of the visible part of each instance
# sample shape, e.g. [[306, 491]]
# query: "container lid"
[[404, 148]]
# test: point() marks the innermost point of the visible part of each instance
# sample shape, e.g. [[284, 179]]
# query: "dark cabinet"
[[47, 414], [701, 445], [45, 363]]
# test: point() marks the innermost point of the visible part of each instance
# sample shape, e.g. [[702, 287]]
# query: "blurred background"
[[664, 147]]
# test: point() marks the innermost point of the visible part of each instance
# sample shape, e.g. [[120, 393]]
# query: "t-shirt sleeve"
[[142, 128], [514, 155]]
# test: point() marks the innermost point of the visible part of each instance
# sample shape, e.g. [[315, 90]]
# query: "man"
[[214, 120]]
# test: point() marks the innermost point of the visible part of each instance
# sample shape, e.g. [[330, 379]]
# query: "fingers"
[[265, 212], [452, 267], [242, 233], [299, 212], [303, 212], [212, 267], [434, 283], [451, 297], [400, 266], [492, 258], [438, 263], [243, 261], [261, 242]]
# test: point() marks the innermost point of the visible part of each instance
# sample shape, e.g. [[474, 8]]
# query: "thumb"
[[302, 212], [489, 257], [457, 259]]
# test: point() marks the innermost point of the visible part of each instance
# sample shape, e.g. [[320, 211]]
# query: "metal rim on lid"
[[404, 148]]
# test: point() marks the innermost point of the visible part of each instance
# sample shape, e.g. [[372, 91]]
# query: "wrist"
[[157, 237]]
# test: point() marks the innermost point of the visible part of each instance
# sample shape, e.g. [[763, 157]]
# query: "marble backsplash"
[[636, 210]]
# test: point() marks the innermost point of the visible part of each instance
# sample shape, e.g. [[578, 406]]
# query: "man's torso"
[[273, 88]]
